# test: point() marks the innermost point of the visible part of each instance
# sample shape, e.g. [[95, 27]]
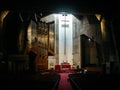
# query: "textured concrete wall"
[[88, 26]]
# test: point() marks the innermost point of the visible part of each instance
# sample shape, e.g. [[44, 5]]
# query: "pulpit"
[[57, 68]]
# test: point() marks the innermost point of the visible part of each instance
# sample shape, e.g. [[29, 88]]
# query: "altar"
[[65, 66]]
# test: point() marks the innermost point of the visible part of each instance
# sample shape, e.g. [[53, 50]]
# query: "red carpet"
[[64, 84]]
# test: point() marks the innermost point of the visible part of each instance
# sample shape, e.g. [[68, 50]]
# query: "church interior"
[[69, 45]]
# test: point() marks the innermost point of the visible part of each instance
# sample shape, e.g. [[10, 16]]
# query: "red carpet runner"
[[64, 84]]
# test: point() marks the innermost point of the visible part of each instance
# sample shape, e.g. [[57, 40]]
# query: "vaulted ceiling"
[[50, 6]]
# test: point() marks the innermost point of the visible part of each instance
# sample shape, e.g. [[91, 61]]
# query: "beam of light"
[[21, 17], [35, 17]]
